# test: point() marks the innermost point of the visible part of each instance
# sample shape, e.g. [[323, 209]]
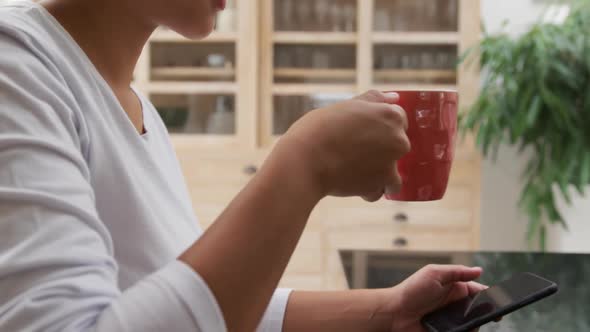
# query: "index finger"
[[404, 116], [448, 274]]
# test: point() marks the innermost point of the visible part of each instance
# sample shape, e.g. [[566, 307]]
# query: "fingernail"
[[391, 95]]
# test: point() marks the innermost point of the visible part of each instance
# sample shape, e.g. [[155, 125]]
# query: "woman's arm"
[[244, 254]]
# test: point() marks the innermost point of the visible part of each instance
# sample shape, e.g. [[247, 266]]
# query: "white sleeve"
[[57, 269], [275, 314]]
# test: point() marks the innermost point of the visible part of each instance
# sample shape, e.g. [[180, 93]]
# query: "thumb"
[[394, 182]]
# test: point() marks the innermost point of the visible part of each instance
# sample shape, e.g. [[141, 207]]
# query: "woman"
[[96, 226]]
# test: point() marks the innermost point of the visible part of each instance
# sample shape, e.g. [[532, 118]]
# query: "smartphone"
[[491, 304]]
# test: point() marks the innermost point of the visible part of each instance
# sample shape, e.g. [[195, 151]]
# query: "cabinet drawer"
[[454, 211], [231, 168], [215, 178], [401, 240], [404, 218]]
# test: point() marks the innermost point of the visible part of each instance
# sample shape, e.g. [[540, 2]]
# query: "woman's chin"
[[196, 32]]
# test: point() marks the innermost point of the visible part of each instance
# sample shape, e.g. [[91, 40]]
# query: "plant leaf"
[[534, 111]]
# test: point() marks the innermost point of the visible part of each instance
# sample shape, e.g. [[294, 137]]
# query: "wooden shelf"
[[315, 38], [311, 73], [214, 88], [285, 89], [163, 35], [417, 38], [192, 72], [415, 74]]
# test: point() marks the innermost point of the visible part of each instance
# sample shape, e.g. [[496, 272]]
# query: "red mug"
[[432, 130]]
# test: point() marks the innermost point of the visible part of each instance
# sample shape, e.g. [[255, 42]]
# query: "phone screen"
[[490, 303]]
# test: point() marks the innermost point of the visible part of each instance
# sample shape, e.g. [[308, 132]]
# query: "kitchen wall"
[[503, 226]]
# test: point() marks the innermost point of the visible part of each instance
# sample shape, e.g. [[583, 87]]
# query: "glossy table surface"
[[567, 311]]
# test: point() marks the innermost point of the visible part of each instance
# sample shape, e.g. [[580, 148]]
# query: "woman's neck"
[[110, 34]]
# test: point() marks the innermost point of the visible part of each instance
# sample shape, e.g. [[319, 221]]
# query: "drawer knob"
[[400, 242], [401, 218], [250, 170]]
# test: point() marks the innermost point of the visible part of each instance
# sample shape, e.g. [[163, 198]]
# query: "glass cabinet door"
[[197, 114], [416, 15], [301, 64], [193, 62], [315, 15], [312, 59], [415, 43], [288, 109], [194, 84], [415, 64]]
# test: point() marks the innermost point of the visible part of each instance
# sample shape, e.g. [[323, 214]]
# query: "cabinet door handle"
[[400, 242], [401, 218], [250, 170]]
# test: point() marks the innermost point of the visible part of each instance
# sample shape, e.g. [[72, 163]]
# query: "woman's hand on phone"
[[429, 289], [351, 148]]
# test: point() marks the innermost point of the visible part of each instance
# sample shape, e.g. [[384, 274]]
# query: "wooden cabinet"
[[214, 178], [243, 87]]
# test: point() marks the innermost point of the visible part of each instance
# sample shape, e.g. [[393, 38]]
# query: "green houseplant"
[[536, 95]]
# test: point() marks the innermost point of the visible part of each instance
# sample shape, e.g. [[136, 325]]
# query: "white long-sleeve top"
[[92, 214]]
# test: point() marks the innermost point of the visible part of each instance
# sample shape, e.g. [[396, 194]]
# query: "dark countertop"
[[568, 311]]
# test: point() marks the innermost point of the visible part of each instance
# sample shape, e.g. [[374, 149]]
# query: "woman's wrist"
[[400, 321], [291, 166]]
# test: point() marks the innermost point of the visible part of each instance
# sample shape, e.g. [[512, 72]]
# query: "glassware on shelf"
[[316, 15], [322, 15], [442, 60], [284, 58], [382, 20], [222, 121], [286, 15], [280, 116], [197, 116], [405, 61], [304, 17], [446, 61], [400, 12], [427, 60], [407, 15], [337, 14], [433, 64], [431, 18], [302, 57], [451, 15], [392, 61], [287, 110], [216, 60], [175, 118], [320, 59], [349, 17]]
